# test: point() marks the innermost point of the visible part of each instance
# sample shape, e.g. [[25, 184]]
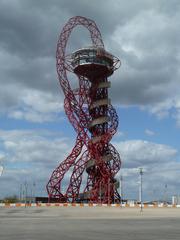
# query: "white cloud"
[[177, 117], [31, 156], [2, 157], [37, 106], [149, 73], [160, 166], [120, 134], [149, 132], [33, 147], [1, 170], [137, 152]]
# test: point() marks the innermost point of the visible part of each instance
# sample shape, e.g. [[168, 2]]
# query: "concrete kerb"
[[12, 205]]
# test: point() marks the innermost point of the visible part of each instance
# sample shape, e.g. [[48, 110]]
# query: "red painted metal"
[[93, 156]]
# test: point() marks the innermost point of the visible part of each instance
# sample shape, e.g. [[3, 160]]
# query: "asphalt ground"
[[49, 223]]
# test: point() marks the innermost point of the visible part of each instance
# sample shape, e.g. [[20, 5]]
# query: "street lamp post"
[[26, 190], [121, 189], [140, 189], [1, 170], [34, 192], [1, 166], [109, 191], [100, 192], [21, 193]]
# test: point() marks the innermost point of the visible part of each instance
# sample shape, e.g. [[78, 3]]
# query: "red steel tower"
[[90, 112]]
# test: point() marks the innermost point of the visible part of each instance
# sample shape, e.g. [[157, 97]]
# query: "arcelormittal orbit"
[[94, 161]]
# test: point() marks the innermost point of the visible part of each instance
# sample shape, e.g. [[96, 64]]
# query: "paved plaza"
[[106, 223]]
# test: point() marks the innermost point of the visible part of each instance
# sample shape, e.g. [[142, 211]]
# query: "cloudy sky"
[[34, 132]]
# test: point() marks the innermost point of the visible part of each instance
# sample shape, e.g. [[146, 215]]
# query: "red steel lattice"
[[90, 112]]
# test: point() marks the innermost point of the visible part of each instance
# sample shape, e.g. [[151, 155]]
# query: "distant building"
[[130, 201], [176, 200]]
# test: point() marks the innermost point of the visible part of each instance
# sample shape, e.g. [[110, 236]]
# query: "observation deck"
[[92, 62]]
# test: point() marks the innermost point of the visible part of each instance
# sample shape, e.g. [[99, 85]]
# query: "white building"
[[176, 200]]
